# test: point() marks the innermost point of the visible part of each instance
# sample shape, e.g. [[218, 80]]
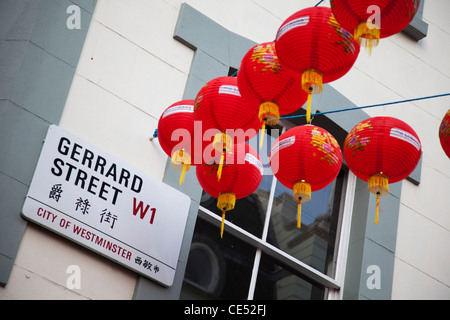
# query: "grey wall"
[[38, 58]]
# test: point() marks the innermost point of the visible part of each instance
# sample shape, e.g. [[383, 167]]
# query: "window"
[[262, 254]]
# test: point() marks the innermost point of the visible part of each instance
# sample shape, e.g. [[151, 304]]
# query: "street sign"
[[106, 205]]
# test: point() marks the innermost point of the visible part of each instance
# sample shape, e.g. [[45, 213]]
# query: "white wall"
[[131, 69]]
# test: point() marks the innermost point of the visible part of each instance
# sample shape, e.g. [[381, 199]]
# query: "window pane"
[[315, 242], [276, 282], [217, 268]]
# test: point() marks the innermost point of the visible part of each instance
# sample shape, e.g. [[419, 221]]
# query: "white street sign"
[[104, 204]]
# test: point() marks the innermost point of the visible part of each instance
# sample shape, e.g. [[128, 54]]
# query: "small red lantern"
[[264, 83], [382, 150], [220, 107], [241, 176], [444, 132], [179, 116], [371, 20], [305, 158], [312, 43]]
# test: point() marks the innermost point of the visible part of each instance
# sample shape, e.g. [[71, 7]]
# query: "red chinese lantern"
[[264, 83], [371, 20], [382, 150], [241, 175], [313, 44], [220, 107], [305, 158], [444, 132], [178, 145]]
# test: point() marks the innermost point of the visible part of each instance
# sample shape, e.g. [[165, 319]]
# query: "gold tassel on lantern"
[[269, 114], [224, 143], [311, 83], [225, 202], [302, 193], [181, 160], [367, 34], [312, 79], [379, 185]]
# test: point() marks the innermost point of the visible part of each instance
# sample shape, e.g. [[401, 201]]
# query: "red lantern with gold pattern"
[[305, 158], [265, 83], [382, 150], [312, 43], [371, 20], [220, 107], [176, 134], [241, 175], [444, 133]]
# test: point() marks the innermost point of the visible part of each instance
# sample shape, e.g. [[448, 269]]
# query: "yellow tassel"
[[222, 224], [299, 214], [379, 185], [312, 80], [269, 114], [366, 36], [181, 160], [219, 170], [182, 175], [223, 143], [302, 193], [225, 202], [378, 208], [308, 108], [263, 130]]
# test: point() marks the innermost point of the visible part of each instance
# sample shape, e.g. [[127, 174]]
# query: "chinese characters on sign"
[[55, 192]]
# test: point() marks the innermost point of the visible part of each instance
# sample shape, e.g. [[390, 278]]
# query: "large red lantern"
[[305, 158], [371, 20], [220, 107], [176, 134], [312, 43], [382, 150], [265, 83], [444, 133], [241, 175]]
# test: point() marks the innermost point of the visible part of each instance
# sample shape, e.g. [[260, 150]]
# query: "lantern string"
[[368, 106], [318, 3]]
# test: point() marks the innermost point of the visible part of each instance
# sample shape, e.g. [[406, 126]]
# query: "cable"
[[318, 3], [369, 106]]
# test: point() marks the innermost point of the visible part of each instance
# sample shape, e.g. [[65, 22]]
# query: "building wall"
[[131, 69]]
